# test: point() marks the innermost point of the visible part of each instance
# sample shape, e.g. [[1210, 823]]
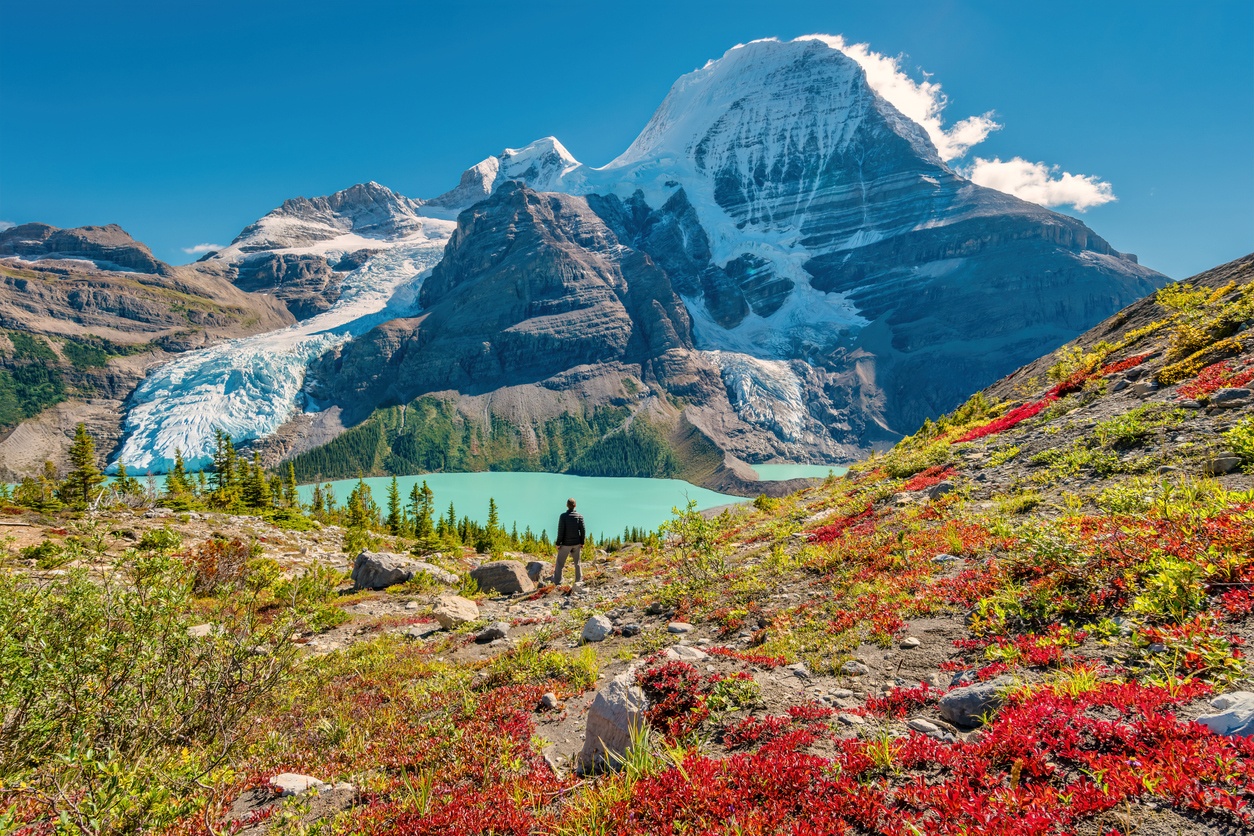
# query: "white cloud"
[[1040, 183], [920, 101], [202, 248], [6, 225]]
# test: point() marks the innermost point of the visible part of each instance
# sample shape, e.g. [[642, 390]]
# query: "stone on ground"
[[597, 629], [966, 706], [537, 569], [495, 630], [293, 783], [679, 627], [453, 611], [617, 710], [1235, 717], [504, 576], [379, 570]]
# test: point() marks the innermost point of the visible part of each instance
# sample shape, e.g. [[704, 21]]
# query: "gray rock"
[[1189, 403], [923, 726], [1230, 397], [841, 694], [504, 576], [656, 608], [910, 643], [549, 701], [1119, 385], [201, 631], [616, 711], [1235, 717], [964, 707], [854, 668], [1144, 387], [1165, 468], [940, 489], [799, 670], [454, 611], [686, 653], [945, 558], [495, 630], [596, 629], [630, 630], [293, 783], [1222, 464], [537, 569], [679, 627], [851, 719], [379, 570]]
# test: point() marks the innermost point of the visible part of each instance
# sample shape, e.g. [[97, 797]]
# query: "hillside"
[[1028, 617], [86, 313]]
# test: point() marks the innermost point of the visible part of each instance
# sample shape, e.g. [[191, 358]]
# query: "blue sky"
[[184, 121]]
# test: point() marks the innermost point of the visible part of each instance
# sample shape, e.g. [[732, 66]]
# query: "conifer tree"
[[289, 487], [317, 503], [256, 486], [394, 509], [84, 478], [176, 482]]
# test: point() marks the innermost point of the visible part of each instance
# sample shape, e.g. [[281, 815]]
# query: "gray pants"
[[562, 553]]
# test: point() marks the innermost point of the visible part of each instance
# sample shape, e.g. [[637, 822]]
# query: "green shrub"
[[106, 696], [160, 540], [1241, 440]]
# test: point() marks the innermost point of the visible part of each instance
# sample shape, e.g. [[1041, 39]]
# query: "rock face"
[[505, 576], [108, 247], [616, 711], [453, 611], [305, 282]]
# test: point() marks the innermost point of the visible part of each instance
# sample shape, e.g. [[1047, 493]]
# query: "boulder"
[[1235, 717], [679, 627], [379, 570], [1221, 464], [596, 629], [910, 643], [616, 711], [537, 569], [966, 707], [504, 576], [939, 489], [855, 668], [631, 629], [453, 611], [495, 630]]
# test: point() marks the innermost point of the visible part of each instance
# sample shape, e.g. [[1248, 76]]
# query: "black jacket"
[[570, 529]]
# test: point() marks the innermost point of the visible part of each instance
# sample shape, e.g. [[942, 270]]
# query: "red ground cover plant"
[[833, 530], [1123, 365], [757, 660], [1015, 416], [1223, 375], [1046, 764], [677, 694], [932, 476]]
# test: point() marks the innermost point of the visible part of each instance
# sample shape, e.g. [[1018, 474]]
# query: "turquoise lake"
[[608, 504], [784, 472]]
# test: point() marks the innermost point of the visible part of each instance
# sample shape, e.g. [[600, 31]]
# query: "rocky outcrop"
[[107, 247], [530, 286], [305, 282], [379, 570]]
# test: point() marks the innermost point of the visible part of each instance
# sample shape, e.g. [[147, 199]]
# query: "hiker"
[[569, 541]]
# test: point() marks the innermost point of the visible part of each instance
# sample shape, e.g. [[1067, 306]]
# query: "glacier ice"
[[250, 387]]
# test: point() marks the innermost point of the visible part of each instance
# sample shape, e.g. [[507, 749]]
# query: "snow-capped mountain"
[[841, 281]]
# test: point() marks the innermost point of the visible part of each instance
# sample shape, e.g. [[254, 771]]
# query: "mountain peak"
[[541, 165], [801, 91]]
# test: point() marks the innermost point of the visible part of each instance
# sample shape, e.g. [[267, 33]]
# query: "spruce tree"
[[289, 487], [394, 509], [176, 483], [84, 478]]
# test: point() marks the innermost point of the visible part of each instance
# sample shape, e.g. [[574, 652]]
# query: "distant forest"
[[430, 435]]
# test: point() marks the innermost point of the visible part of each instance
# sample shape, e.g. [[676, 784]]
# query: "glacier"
[[250, 387]]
